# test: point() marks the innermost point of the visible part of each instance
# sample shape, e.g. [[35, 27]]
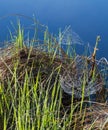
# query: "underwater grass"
[[28, 105]]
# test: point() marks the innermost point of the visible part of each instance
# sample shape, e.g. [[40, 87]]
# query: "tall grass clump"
[[34, 93]]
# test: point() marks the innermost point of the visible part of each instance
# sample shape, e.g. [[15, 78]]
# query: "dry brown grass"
[[34, 60]]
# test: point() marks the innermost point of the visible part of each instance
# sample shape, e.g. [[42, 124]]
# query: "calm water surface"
[[88, 18]]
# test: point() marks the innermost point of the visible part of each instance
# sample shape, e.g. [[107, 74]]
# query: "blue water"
[[88, 18]]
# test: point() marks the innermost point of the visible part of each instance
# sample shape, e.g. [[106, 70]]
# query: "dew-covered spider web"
[[73, 77]]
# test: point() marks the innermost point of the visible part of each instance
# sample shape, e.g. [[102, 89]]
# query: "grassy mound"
[[33, 88]]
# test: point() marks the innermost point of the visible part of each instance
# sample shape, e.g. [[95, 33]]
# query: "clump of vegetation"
[[31, 82]]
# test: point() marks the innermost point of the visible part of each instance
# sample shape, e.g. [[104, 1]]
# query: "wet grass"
[[31, 97]]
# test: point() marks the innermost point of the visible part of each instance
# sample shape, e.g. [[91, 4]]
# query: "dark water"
[[88, 18]]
